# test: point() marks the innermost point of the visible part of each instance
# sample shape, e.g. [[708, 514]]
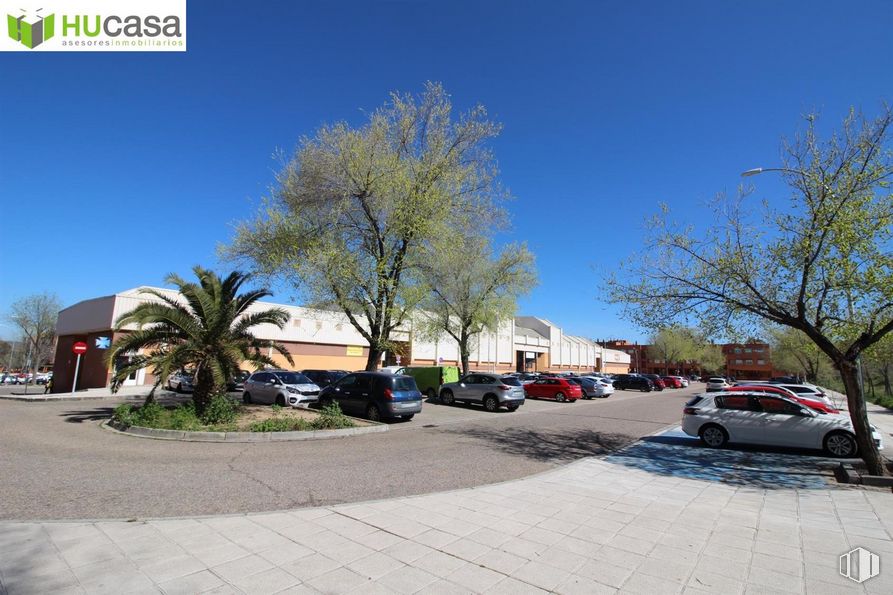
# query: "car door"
[[461, 392], [536, 389], [362, 394], [784, 424], [482, 385], [740, 416], [260, 388], [343, 393]]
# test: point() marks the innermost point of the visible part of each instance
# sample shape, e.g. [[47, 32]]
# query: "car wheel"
[[408, 417], [431, 394], [180, 388], [560, 397], [587, 397], [246, 398], [491, 403], [713, 436], [841, 444], [373, 413], [280, 400], [446, 397]]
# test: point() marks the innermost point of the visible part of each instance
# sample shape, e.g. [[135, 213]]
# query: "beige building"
[[320, 339]]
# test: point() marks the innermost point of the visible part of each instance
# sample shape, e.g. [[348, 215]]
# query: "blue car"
[[374, 395]]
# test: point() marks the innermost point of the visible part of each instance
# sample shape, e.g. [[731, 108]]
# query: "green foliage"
[[280, 424], [209, 331], [148, 415], [221, 410], [356, 209], [276, 408], [331, 418], [123, 415], [471, 289]]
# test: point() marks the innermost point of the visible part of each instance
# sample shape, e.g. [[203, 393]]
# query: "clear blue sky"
[[116, 169]]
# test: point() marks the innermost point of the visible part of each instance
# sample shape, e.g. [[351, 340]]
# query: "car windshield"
[[293, 378], [510, 381]]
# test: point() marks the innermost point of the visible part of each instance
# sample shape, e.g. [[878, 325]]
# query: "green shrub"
[[183, 417], [331, 418], [276, 408], [124, 415], [149, 415], [221, 410], [280, 424]]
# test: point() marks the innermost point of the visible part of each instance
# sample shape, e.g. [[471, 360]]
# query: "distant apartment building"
[[743, 361]]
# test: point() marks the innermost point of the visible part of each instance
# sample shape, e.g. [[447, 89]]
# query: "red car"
[[817, 404], [672, 381], [553, 388]]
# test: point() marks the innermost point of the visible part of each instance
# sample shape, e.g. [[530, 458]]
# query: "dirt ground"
[[248, 414]]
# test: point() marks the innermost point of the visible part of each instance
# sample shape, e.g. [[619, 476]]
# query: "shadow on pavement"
[[95, 414], [682, 456], [548, 446]]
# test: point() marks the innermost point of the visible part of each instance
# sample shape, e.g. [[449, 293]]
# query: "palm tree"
[[209, 331]]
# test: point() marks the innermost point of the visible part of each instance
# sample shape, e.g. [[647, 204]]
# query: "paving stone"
[[407, 580], [310, 566], [339, 580], [644, 584], [510, 586], [172, 567], [266, 582], [541, 575], [197, 582], [475, 578], [605, 573], [376, 565], [581, 585]]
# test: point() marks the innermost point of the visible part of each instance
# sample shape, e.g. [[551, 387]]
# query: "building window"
[[738, 361], [761, 362], [747, 350], [296, 322], [737, 350], [749, 362], [339, 327], [758, 350]]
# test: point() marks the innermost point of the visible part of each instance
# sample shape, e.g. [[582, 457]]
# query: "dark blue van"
[[374, 395]]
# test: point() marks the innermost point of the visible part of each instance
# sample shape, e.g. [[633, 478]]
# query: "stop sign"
[[79, 348]]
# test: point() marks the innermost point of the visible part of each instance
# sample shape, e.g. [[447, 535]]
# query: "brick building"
[[744, 361]]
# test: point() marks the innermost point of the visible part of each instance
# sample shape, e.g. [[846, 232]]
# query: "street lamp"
[[758, 170]]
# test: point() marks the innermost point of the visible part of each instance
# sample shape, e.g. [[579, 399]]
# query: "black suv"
[[633, 382], [374, 395]]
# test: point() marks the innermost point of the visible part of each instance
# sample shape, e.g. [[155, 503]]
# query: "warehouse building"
[[321, 339]]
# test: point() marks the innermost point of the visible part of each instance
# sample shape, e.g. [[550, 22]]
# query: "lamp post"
[[758, 170]]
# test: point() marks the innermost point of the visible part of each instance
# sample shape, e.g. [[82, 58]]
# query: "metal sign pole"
[[77, 367]]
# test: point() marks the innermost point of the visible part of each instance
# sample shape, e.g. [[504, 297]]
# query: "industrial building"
[[321, 339]]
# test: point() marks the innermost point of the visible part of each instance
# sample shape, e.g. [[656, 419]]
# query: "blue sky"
[[116, 169]]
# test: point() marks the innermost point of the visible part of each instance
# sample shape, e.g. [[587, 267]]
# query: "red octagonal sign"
[[79, 348]]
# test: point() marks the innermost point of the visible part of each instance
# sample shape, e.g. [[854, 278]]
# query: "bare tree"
[[36, 315], [822, 265]]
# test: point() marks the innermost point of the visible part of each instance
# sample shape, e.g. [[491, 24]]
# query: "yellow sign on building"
[[354, 350]]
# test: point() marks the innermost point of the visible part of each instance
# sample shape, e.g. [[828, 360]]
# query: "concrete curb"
[[54, 398], [242, 437]]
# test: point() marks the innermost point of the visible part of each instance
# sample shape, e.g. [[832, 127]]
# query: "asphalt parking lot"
[[65, 466]]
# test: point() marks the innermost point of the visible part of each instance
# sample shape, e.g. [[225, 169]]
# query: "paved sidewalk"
[[35, 394], [595, 526]]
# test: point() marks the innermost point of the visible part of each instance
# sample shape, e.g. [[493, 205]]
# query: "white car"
[[717, 383], [280, 387], [769, 420], [180, 382], [603, 387], [683, 380]]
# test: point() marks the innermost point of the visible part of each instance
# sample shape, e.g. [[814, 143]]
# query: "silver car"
[[280, 387], [490, 390]]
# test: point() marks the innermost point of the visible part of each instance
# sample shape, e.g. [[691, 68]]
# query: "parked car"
[[375, 395], [528, 378], [596, 387], [180, 382], [490, 390], [430, 379], [43, 378], [552, 387], [715, 383], [280, 387], [323, 378], [237, 382], [672, 381], [633, 382], [759, 418], [807, 390], [658, 382], [822, 405], [683, 380]]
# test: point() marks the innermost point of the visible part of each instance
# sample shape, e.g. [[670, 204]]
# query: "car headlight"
[[292, 389]]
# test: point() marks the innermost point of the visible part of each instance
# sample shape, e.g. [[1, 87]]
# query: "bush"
[[184, 418], [124, 415], [221, 410], [280, 424], [331, 418]]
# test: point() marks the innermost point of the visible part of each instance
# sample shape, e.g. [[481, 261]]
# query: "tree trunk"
[[849, 374], [374, 358], [464, 352], [885, 373], [203, 390]]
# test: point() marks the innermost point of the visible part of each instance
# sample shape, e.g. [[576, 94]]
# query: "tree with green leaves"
[[711, 358], [472, 289], [356, 209], [35, 316], [207, 328], [822, 264], [793, 351], [674, 345]]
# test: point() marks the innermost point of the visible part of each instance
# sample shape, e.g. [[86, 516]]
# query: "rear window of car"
[[406, 383], [694, 401], [511, 381], [733, 402]]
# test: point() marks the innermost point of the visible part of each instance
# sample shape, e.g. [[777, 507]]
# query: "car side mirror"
[[462, 384]]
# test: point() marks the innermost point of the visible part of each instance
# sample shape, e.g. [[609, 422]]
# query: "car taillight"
[[504, 387], [690, 411], [388, 394]]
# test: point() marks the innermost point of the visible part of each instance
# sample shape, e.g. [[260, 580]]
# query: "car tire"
[[280, 400], [180, 388], [713, 435], [841, 445], [491, 403], [587, 397], [373, 413], [560, 397], [446, 397], [431, 394], [246, 398], [408, 417]]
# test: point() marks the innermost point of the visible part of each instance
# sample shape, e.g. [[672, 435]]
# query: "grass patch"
[[882, 400], [223, 415]]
